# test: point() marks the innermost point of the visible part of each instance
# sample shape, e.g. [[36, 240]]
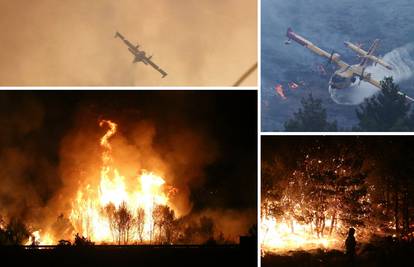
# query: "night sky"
[[36, 122]]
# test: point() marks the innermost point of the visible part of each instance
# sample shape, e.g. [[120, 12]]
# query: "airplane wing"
[[134, 50], [367, 78], [368, 55], [128, 43], [371, 50], [155, 66], [334, 57]]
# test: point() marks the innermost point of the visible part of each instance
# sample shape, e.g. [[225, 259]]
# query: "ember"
[[293, 85]]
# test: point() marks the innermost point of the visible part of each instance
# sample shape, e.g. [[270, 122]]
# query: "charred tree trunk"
[[387, 196], [405, 213], [323, 225], [332, 223], [396, 208]]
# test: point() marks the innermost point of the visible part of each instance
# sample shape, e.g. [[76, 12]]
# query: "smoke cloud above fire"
[[50, 148], [72, 43]]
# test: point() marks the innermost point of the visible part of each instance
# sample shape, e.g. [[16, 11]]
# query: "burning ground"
[[315, 188], [127, 167]]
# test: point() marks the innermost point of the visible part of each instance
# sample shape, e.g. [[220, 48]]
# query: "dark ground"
[[224, 255], [378, 255]]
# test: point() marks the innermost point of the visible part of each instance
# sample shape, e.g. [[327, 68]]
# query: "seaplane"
[[139, 55], [347, 74]]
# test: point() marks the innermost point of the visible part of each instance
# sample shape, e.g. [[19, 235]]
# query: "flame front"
[[36, 239], [113, 199], [283, 235]]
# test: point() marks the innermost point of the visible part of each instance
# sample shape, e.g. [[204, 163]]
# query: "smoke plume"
[[402, 63]]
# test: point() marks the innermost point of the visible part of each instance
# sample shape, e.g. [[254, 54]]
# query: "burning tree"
[[140, 221], [118, 209], [163, 218], [316, 202], [14, 233], [121, 222]]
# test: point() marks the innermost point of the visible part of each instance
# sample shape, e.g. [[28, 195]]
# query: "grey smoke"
[[401, 60]]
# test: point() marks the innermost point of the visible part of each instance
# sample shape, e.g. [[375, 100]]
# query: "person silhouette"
[[350, 245]]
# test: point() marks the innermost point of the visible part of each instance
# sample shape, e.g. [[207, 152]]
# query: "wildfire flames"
[[95, 207], [116, 210], [36, 239], [280, 235], [315, 207]]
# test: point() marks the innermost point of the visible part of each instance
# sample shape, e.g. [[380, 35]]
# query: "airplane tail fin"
[[289, 31]]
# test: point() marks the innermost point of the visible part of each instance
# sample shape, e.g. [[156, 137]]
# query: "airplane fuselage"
[[347, 74], [345, 77], [139, 55]]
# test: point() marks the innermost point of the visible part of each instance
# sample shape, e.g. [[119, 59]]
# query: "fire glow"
[[314, 206], [98, 211], [281, 235]]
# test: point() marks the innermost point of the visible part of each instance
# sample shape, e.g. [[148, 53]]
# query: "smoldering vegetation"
[[72, 43], [384, 233], [328, 24], [50, 149]]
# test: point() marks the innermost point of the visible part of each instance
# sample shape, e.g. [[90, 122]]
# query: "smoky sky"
[[327, 24], [71, 43], [35, 126]]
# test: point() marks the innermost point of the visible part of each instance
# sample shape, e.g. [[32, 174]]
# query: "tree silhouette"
[[311, 117], [121, 222], [62, 227], [140, 222], [206, 227], [110, 210], [163, 218], [386, 111], [16, 232], [81, 241], [327, 188]]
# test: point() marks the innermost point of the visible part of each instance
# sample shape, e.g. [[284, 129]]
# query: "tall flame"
[[88, 210]]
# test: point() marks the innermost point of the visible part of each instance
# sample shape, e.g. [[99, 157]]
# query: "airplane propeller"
[[361, 77], [330, 58]]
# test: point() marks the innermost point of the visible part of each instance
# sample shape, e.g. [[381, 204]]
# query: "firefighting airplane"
[[140, 55], [346, 74]]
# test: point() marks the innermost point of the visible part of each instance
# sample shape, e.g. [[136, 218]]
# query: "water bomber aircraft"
[[347, 74], [139, 55]]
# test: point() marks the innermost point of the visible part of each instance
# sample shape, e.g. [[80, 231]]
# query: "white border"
[[190, 88], [336, 133], [125, 88], [259, 126]]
